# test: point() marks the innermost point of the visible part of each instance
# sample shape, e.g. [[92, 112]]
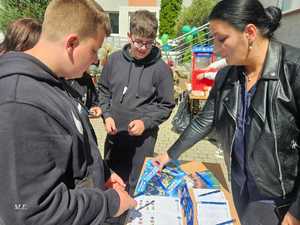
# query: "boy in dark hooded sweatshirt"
[[136, 95], [50, 167]]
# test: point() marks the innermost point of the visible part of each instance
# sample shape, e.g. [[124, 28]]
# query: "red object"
[[200, 85]]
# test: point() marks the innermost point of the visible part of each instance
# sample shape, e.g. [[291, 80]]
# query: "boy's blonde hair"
[[83, 17]]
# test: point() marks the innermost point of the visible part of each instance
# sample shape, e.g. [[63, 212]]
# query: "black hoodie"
[[50, 168], [136, 89]]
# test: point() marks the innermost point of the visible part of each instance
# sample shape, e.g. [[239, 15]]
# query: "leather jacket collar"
[[272, 61]]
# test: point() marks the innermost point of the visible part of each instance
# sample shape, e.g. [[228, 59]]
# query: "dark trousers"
[[125, 154], [257, 212]]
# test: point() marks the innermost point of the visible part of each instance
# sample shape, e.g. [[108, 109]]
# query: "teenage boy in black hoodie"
[[136, 95], [50, 167]]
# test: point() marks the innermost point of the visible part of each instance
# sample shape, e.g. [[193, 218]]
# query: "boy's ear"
[[71, 42]]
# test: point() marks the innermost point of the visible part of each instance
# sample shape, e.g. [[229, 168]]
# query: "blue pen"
[[213, 203], [147, 204], [226, 222], [209, 193]]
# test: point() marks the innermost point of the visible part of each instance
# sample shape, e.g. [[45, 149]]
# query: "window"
[[114, 21], [287, 5]]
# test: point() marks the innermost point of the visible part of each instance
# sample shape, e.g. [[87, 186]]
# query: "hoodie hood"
[[26, 65], [150, 59]]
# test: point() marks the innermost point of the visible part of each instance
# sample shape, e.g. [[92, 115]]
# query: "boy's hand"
[[161, 160], [289, 219], [95, 111], [136, 127], [110, 126], [115, 181], [126, 202]]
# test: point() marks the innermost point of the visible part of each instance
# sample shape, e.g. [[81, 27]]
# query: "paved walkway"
[[203, 151]]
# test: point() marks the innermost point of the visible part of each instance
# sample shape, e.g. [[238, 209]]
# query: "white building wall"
[[111, 5], [122, 7], [289, 31]]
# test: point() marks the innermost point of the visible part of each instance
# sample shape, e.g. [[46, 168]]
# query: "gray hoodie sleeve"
[[161, 110], [104, 92], [38, 179]]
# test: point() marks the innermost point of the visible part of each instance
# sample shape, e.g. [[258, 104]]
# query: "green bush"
[[168, 15], [195, 15], [11, 10]]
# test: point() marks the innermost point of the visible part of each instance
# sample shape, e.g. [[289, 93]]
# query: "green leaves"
[[168, 15], [195, 15], [11, 10]]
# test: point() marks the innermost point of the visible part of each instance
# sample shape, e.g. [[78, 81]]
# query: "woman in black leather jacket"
[[254, 110]]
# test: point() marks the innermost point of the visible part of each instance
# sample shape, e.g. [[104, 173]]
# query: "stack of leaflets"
[[167, 183]]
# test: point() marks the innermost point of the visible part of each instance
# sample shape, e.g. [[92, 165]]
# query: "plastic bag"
[[183, 115]]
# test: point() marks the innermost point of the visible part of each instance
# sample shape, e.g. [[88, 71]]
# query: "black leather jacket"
[[272, 149]]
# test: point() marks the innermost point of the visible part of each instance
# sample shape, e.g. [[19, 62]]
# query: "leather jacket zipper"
[[230, 158], [279, 165], [277, 156]]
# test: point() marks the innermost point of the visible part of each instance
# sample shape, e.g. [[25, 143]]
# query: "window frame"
[[280, 4], [118, 21]]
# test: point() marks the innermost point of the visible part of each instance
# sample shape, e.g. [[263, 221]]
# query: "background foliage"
[[11, 10], [195, 15], [168, 15]]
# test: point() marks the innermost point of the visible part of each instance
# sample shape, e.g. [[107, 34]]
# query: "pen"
[[144, 206], [208, 193], [213, 203], [226, 222]]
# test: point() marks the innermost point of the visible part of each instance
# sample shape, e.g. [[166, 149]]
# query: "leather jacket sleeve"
[[199, 127], [295, 207], [104, 92]]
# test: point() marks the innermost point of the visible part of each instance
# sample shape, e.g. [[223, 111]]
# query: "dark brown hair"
[[21, 35], [240, 13], [143, 23]]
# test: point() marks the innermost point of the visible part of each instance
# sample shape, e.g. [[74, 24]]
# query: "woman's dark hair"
[[240, 13], [21, 35]]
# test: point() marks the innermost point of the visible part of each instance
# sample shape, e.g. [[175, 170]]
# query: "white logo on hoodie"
[[78, 124]]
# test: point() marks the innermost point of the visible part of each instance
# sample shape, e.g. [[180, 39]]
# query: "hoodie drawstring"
[[139, 82], [125, 89], [127, 84]]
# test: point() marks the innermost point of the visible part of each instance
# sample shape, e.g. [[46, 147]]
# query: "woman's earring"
[[250, 45]]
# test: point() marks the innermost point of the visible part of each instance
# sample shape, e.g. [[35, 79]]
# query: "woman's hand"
[[161, 160]]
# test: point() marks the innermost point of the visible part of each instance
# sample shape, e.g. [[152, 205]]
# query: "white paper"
[[160, 210], [212, 206], [212, 214], [202, 194]]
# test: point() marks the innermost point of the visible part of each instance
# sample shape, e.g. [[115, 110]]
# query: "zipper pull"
[[123, 94]]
